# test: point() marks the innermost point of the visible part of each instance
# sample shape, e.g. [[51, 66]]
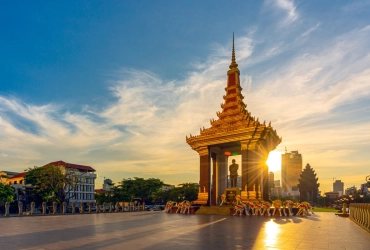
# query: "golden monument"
[[235, 132]]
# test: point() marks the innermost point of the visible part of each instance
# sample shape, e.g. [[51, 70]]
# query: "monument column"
[[265, 185], [265, 174], [214, 179], [244, 172], [253, 171], [222, 173], [204, 182]]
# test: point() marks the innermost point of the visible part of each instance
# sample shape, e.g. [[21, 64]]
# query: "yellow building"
[[291, 168]]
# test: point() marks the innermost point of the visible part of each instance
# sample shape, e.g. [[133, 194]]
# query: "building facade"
[[271, 181], [167, 187], [291, 168], [350, 190], [338, 186], [277, 183], [83, 189]]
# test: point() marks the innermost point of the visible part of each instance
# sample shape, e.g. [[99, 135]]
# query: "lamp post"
[[368, 182], [362, 197]]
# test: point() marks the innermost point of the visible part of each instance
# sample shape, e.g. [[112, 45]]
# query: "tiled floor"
[[159, 230]]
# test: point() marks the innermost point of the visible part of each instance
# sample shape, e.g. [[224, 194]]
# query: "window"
[[15, 182], [21, 181]]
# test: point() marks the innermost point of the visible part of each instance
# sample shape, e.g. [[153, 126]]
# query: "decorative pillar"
[[89, 207], [20, 208], [54, 207], [97, 207], [110, 207], [131, 206], [73, 207], [222, 173], [64, 207], [265, 184], [81, 207], [214, 179], [244, 172], [7, 205], [251, 170], [32, 208], [204, 182], [103, 209], [116, 209], [44, 208]]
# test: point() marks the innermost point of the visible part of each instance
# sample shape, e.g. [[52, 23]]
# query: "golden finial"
[[233, 62]]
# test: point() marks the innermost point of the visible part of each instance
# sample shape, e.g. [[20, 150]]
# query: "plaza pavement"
[[159, 230]]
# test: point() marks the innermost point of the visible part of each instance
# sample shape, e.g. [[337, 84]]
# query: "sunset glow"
[[274, 161], [118, 85]]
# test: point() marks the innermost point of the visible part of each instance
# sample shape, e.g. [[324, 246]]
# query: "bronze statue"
[[233, 168]]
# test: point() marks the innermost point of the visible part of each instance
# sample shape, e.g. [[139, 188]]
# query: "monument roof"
[[235, 123]]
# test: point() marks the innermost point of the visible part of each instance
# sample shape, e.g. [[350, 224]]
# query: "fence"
[[360, 213], [91, 207]]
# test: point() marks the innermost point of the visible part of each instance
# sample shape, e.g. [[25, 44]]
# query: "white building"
[[167, 187], [107, 184], [83, 189]]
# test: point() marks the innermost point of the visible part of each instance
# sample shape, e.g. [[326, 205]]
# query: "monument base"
[[230, 195]]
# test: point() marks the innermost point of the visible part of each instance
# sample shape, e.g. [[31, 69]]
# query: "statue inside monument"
[[233, 168]]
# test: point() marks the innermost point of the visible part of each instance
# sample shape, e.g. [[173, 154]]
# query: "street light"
[[362, 196], [368, 182]]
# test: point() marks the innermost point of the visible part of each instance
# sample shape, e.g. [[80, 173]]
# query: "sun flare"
[[274, 161]]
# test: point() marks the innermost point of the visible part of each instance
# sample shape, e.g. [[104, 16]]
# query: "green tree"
[[51, 184], [185, 191], [189, 191], [6, 193], [139, 188]]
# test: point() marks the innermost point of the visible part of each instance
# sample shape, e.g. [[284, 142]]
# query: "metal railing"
[[360, 213]]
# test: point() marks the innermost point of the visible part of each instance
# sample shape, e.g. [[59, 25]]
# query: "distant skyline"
[[117, 85]]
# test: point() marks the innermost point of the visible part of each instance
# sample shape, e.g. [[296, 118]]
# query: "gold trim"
[[202, 151]]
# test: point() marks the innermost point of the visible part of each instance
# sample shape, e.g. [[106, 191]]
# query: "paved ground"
[[159, 230]]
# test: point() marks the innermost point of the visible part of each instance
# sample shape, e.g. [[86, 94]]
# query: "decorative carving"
[[202, 151], [244, 145]]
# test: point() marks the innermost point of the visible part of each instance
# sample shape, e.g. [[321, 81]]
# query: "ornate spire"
[[233, 64]]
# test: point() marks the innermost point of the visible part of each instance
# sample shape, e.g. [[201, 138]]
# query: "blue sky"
[[118, 85]]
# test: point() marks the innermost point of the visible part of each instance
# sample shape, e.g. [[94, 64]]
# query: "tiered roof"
[[234, 122]]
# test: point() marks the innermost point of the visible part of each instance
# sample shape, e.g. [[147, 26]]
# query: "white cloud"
[[310, 30], [287, 6]]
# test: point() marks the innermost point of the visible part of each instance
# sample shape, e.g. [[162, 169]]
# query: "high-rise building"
[[291, 168], [277, 183], [271, 181], [338, 186]]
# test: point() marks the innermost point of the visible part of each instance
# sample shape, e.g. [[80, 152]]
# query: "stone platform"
[[158, 230]]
